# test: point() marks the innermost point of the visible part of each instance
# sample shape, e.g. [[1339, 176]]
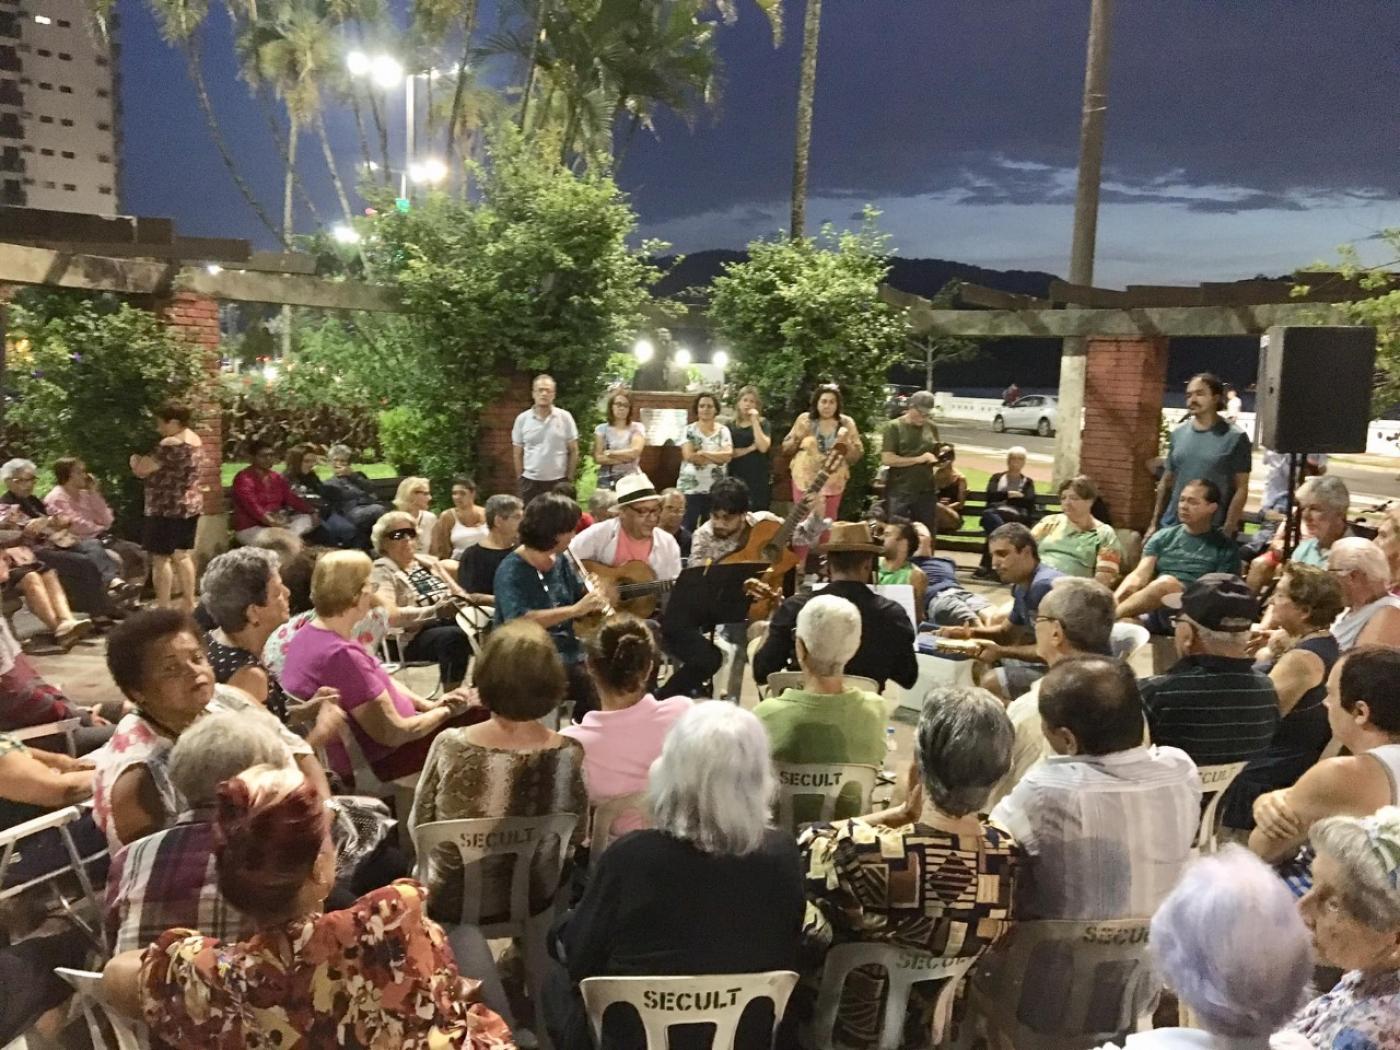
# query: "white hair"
[[713, 784], [14, 466], [220, 746], [1016, 450], [393, 520], [1353, 554], [1230, 942], [1368, 850], [1328, 490], [829, 629]]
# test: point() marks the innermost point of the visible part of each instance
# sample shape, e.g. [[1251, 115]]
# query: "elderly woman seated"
[[414, 498], [1323, 504], [1228, 942], [419, 592], [347, 492], [157, 659], [825, 721], [76, 498], [711, 888], [23, 574], [962, 747], [376, 973], [1353, 911], [393, 726], [1372, 615]]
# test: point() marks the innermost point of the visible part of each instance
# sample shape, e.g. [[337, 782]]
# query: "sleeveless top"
[[1349, 625], [464, 536], [227, 660], [1388, 755]]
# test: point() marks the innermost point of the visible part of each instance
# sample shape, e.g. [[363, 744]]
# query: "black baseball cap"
[[1218, 601]]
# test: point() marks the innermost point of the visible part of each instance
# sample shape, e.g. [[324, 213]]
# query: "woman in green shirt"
[[1077, 543]]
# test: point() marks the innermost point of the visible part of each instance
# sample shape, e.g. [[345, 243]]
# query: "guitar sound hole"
[[771, 552]]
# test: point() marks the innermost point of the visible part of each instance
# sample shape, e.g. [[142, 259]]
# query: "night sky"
[[1244, 136]]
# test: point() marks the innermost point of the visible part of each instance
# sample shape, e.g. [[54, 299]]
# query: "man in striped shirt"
[[1213, 704]]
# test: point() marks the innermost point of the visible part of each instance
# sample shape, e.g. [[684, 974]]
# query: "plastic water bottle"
[[889, 747]]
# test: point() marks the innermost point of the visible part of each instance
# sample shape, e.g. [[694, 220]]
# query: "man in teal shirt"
[[1209, 447], [1180, 554]]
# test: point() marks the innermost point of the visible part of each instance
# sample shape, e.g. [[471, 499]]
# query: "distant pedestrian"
[[1011, 394], [1233, 405]]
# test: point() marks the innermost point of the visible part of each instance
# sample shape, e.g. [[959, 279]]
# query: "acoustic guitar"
[[770, 542], [631, 587]]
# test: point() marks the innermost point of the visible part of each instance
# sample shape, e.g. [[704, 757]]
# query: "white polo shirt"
[[545, 441]]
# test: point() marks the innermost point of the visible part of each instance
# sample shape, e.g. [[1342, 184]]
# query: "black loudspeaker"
[[1314, 392]]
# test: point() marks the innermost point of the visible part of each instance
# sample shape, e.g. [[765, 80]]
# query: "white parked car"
[[1037, 412]]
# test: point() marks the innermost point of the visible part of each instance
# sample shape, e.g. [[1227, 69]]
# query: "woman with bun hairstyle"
[[623, 737]]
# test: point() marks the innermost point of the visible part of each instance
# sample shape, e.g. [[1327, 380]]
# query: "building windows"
[[71, 187], [101, 60], [46, 120], [106, 191], [103, 158], [46, 153], [64, 56], [50, 186], [63, 23], [64, 89], [68, 154], [44, 52], [102, 125], [14, 192], [43, 20], [45, 86], [66, 122], [103, 93]]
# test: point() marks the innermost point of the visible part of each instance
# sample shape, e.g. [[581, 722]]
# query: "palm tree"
[[806, 96], [435, 20]]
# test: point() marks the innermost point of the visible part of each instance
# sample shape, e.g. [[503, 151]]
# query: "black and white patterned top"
[[228, 660]]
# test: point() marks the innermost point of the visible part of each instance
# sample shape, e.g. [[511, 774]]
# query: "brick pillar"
[[1122, 416], [496, 465]]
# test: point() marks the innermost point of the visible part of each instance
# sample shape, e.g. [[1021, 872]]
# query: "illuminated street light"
[[681, 357], [386, 71], [344, 233], [643, 351], [270, 372], [214, 269], [429, 172], [720, 360], [357, 62]]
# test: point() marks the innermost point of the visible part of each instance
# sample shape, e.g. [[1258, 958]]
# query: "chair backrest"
[[67, 726], [367, 782], [125, 1034], [1127, 638], [605, 815], [780, 680], [662, 1002], [904, 968], [475, 840], [1214, 781], [59, 820], [1062, 984], [826, 781]]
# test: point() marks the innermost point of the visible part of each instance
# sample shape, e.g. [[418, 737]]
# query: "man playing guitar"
[[632, 536]]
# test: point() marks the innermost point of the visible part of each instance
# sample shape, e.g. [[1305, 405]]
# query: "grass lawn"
[[373, 470]]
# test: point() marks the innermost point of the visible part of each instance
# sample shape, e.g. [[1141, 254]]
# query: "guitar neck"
[[785, 530], [641, 590]]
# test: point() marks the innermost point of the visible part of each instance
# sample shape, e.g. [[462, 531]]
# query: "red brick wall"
[[196, 318], [1122, 413], [496, 472]]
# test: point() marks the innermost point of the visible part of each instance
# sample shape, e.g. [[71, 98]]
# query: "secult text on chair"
[[663, 1002], [828, 781], [904, 968], [1215, 780]]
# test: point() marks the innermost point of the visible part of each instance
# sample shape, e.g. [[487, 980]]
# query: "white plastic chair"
[[399, 792], [517, 837], [77, 866], [1214, 781], [1062, 984], [126, 1034], [780, 680], [1127, 638], [904, 968], [68, 727], [662, 1002], [606, 813], [828, 781], [394, 666]]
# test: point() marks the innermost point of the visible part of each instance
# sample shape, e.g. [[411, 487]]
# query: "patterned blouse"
[[698, 477], [377, 975], [173, 491], [916, 887], [465, 781], [227, 660], [1361, 1013]]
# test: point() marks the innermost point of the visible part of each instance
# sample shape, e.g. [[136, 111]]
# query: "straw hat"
[[851, 536], [634, 488]]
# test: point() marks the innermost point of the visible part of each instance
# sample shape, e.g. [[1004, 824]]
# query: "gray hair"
[[1353, 554], [963, 745], [221, 745], [1328, 490], [395, 519], [1230, 942], [234, 581], [340, 452], [1017, 450], [828, 627], [14, 466], [1368, 891], [922, 401], [501, 506], [601, 501], [1085, 611], [713, 784]]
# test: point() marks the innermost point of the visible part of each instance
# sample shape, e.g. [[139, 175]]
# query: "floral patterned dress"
[[1361, 1013], [377, 975]]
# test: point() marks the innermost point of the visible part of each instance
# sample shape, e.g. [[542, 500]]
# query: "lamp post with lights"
[[387, 72]]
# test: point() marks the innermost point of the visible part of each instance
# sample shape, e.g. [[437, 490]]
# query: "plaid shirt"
[[166, 881]]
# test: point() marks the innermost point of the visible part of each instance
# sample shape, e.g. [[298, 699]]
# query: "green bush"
[[82, 377]]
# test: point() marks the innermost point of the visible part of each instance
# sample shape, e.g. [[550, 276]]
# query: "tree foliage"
[[536, 275], [799, 313], [84, 375]]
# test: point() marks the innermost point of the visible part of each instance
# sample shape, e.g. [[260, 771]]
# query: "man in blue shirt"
[[1207, 447], [1011, 643]]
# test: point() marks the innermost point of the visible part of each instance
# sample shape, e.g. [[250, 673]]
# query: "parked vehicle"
[[897, 399], [1036, 412]]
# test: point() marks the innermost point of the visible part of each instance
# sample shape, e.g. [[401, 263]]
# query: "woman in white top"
[[413, 498], [462, 525], [617, 444], [1372, 615], [707, 448], [1229, 942]]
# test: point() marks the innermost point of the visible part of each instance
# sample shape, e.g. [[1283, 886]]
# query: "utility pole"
[[1086, 221]]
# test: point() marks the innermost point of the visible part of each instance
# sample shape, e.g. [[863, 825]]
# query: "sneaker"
[[71, 632]]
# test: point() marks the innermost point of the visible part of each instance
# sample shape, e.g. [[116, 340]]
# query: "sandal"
[[70, 634]]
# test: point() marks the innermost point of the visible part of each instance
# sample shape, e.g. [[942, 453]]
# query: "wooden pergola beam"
[[246, 286]]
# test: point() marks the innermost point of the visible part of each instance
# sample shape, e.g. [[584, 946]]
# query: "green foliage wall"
[[83, 376], [800, 313]]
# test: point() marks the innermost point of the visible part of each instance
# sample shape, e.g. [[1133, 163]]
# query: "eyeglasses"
[[401, 534], [1038, 618], [22, 477]]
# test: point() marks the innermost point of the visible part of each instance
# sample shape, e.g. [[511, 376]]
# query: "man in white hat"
[[634, 534]]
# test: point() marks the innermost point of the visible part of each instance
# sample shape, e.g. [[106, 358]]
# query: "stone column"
[[1122, 418]]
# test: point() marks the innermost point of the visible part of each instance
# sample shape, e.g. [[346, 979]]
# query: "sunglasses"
[[402, 534]]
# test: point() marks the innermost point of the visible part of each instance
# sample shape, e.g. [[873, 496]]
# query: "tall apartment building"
[[58, 109]]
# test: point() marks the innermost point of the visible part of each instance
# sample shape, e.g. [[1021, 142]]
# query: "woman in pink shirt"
[[623, 737], [76, 497]]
